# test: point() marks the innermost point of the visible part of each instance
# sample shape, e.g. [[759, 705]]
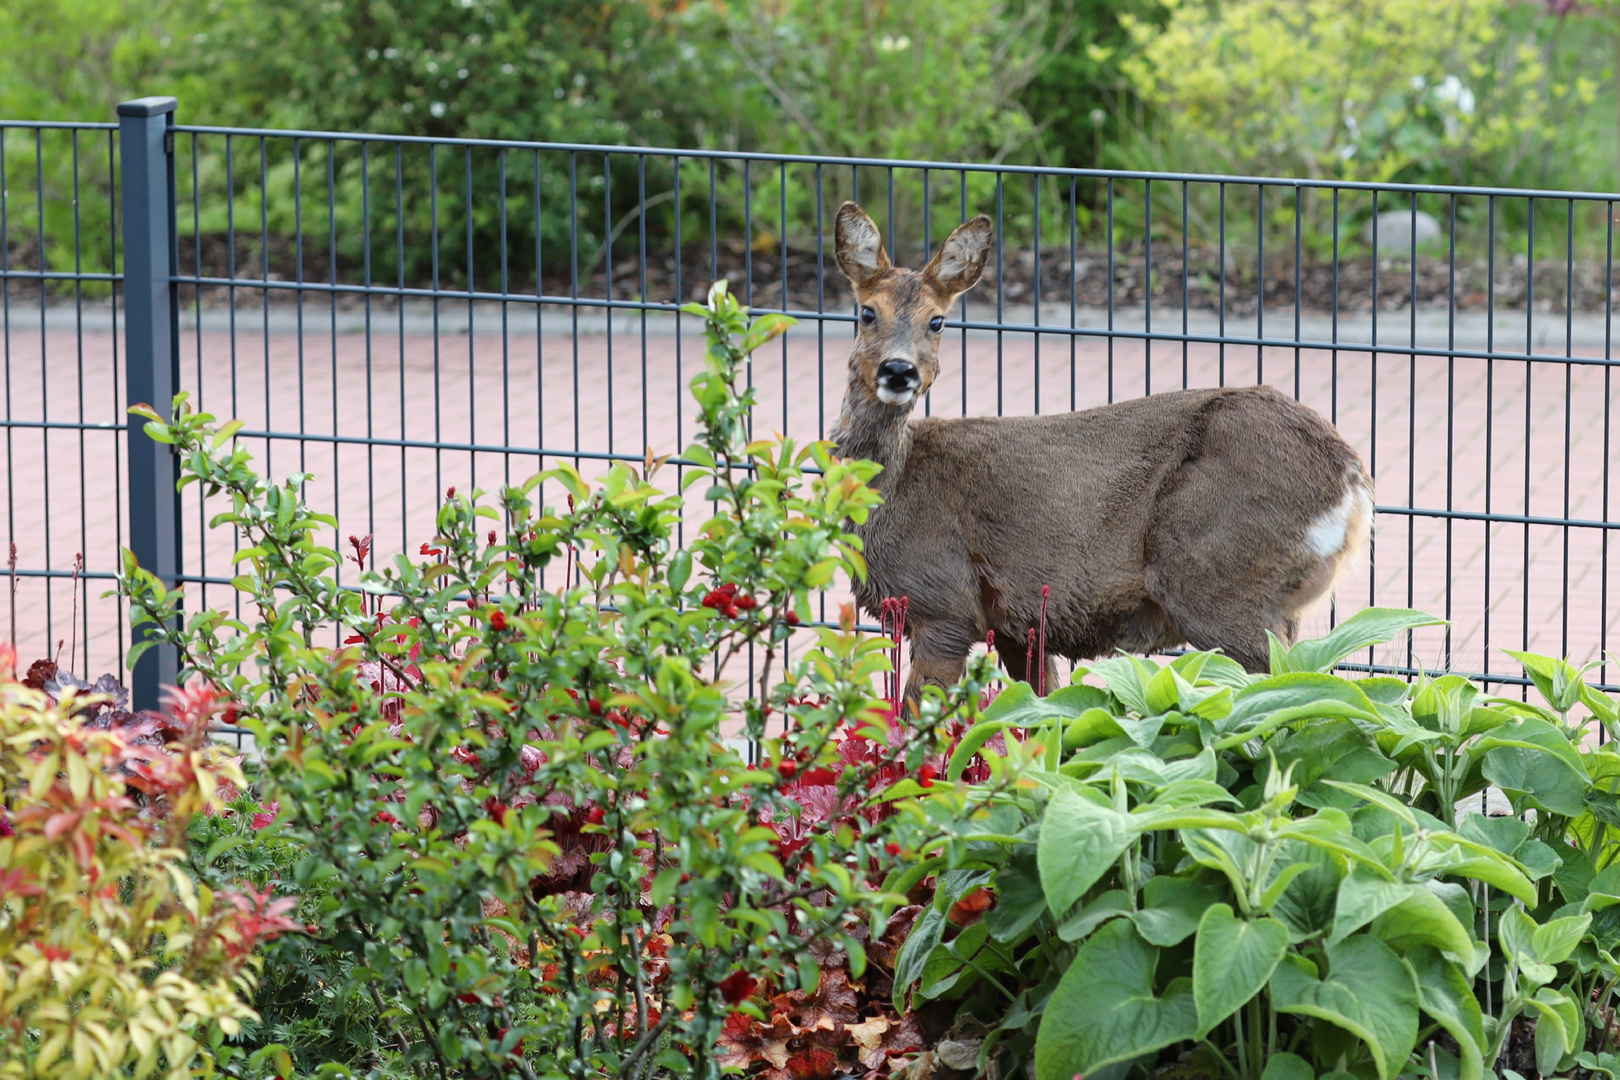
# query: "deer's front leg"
[[938, 655]]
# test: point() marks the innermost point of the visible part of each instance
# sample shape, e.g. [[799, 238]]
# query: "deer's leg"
[[1016, 661], [938, 655], [1239, 633]]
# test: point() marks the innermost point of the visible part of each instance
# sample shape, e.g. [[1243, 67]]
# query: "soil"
[[811, 284]]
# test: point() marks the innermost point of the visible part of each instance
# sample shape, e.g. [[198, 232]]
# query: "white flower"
[[437, 108]]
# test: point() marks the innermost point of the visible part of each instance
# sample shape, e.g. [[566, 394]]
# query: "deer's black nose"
[[898, 375]]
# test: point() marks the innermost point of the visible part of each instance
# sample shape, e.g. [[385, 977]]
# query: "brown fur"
[[1185, 517]]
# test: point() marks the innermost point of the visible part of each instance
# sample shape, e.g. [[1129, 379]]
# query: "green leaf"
[[1448, 995], [1559, 1030], [1367, 991], [1171, 909], [1079, 841], [1285, 699], [1423, 918], [1558, 681], [1288, 1067], [222, 845], [1104, 1011], [1373, 626], [1555, 940], [1363, 896], [1020, 902], [1531, 759], [1110, 904], [913, 955], [1232, 961]]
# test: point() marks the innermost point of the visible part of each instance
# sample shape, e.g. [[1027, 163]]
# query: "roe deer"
[[1199, 516]]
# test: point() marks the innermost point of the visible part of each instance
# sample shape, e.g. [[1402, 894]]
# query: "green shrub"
[[515, 801], [1271, 872]]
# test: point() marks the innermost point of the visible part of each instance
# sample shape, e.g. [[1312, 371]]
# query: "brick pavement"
[[1470, 435]]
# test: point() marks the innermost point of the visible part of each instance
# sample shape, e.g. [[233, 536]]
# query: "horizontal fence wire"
[[400, 316]]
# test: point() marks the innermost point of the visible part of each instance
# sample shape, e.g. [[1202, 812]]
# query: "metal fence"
[[398, 316]]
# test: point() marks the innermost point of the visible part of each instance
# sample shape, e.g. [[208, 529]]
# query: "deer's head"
[[902, 312]]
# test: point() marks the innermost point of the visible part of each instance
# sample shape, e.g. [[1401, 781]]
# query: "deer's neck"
[[868, 429]]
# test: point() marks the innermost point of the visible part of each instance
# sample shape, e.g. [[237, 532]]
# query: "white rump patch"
[[1329, 533]]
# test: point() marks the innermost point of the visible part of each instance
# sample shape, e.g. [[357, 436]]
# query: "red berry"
[[467, 999], [787, 768], [685, 878], [791, 618], [746, 602], [383, 817], [925, 776], [892, 848], [596, 816], [497, 621], [595, 706]]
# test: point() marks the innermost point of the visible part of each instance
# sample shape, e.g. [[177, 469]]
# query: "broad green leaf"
[[1373, 626], [914, 954], [1556, 939], [1270, 703], [1422, 918], [1288, 1067], [1603, 890], [1448, 996], [1232, 961], [1018, 705], [1104, 1010], [1127, 678], [1363, 896], [1367, 991], [1113, 903], [1019, 900], [1171, 908], [1079, 841], [1516, 932], [1532, 759], [1307, 904], [1559, 1030]]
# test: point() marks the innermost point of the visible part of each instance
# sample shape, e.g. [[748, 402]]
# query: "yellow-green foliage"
[[1351, 89], [111, 961]]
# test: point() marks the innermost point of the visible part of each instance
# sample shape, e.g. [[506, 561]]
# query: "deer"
[[1202, 517]]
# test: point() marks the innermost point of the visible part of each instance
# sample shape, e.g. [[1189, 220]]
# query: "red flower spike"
[[492, 538], [737, 987], [497, 621], [1046, 594], [451, 493]]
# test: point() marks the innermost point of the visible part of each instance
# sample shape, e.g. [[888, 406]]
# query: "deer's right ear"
[[858, 246]]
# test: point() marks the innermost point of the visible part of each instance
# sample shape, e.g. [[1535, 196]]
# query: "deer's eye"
[[937, 323], [868, 316]]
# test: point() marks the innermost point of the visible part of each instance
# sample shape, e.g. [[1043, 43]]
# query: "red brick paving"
[[1465, 438]]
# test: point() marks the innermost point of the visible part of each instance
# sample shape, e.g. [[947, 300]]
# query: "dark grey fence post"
[[151, 355]]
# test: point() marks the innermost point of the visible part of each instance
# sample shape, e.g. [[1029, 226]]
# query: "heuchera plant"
[[526, 805], [110, 958]]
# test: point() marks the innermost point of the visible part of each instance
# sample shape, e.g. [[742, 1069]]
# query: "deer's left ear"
[[858, 246], [956, 267]]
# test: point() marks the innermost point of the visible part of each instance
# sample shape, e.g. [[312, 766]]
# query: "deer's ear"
[[858, 246], [956, 267]]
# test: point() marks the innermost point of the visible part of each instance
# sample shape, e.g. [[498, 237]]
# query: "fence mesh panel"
[[397, 317]]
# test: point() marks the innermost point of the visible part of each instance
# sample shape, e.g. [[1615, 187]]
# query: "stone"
[[1400, 230]]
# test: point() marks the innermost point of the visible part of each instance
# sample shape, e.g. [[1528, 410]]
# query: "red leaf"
[[737, 987]]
